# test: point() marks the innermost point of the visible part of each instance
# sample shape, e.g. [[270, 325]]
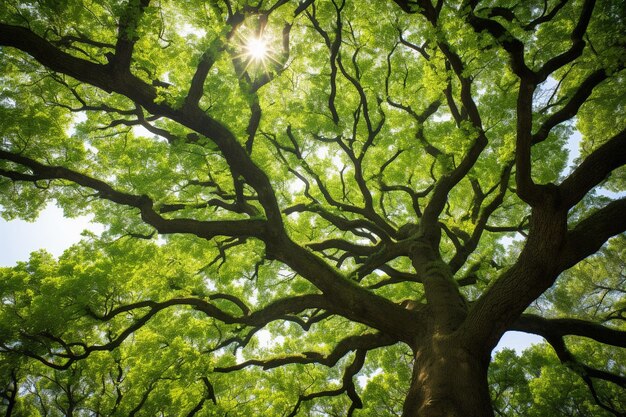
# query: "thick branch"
[[127, 34], [145, 95], [553, 330], [208, 58], [594, 169], [549, 328], [358, 304], [203, 229], [534, 272], [578, 44], [591, 233], [527, 190], [571, 108], [513, 46], [348, 298], [55, 59]]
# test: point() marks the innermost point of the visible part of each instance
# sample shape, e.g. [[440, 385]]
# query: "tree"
[[315, 208]]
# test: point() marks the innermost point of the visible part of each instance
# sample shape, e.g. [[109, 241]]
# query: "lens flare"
[[257, 49]]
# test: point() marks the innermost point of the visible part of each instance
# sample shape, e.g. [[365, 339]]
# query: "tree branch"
[[127, 34], [571, 108], [559, 327], [578, 44], [203, 229], [591, 233], [553, 330], [594, 169], [364, 342], [145, 95]]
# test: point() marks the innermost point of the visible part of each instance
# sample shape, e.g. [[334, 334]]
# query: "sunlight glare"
[[257, 48]]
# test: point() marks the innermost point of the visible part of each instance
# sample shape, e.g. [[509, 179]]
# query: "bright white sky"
[[51, 231], [517, 341]]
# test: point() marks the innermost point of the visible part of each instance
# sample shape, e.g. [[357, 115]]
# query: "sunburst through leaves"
[[257, 53], [257, 49]]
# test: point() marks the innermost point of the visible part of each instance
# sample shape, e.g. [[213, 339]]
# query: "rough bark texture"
[[451, 336], [448, 381]]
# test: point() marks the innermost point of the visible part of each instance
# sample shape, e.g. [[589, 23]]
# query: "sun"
[[256, 49], [256, 54]]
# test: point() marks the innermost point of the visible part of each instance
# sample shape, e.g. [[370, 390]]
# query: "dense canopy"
[[316, 208]]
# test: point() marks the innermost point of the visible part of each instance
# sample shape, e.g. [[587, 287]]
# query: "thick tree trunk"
[[448, 381]]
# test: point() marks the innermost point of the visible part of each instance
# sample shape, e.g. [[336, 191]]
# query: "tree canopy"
[[316, 208]]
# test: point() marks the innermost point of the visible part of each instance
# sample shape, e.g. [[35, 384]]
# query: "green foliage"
[[260, 214], [535, 383]]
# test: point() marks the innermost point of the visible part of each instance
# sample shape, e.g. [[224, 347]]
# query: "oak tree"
[[317, 207]]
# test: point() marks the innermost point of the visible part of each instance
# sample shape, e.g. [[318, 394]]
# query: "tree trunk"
[[448, 381]]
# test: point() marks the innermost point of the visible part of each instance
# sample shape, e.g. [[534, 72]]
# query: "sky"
[[51, 231], [55, 233]]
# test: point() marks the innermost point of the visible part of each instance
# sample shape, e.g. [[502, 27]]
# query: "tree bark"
[[448, 381]]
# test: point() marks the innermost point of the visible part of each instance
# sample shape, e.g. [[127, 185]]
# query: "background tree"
[[316, 208]]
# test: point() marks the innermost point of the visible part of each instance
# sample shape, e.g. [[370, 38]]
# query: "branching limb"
[[333, 45], [208, 58], [553, 330], [594, 169], [463, 251], [513, 46], [370, 220], [145, 95], [209, 394], [69, 40], [420, 118], [546, 16], [414, 195], [385, 253], [578, 44], [127, 35], [146, 207], [71, 352], [139, 120], [363, 342], [570, 109], [84, 106], [394, 277], [591, 233], [421, 49], [344, 245], [451, 179], [341, 222], [347, 387], [539, 264], [527, 190], [364, 103]]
